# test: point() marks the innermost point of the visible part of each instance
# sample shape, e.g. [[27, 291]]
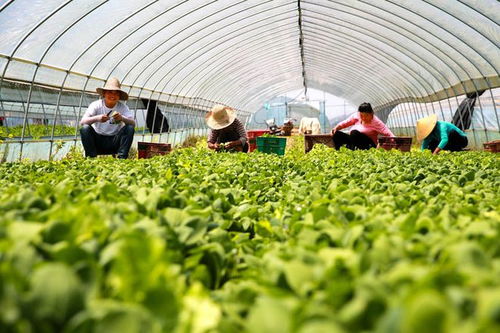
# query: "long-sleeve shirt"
[[372, 129], [235, 131], [440, 133]]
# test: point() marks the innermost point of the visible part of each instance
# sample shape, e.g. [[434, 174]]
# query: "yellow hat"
[[220, 117], [425, 126]]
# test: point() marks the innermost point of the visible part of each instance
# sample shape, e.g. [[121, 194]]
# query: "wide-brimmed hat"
[[220, 117], [113, 84], [425, 126]]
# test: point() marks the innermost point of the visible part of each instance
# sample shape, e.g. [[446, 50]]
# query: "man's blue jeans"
[[96, 144]]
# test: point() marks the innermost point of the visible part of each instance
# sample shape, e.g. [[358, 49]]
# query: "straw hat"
[[220, 117], [425, 126], [113, 84]]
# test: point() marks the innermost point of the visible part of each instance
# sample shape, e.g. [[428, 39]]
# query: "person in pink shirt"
[[364, 131]]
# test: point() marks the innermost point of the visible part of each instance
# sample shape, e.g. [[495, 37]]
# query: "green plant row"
[[197, 241], [36, 131]]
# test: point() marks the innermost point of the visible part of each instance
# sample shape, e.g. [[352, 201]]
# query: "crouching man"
[[108, 124], [227, 132]]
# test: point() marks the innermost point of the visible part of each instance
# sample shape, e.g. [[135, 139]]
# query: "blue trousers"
[[97, 144]]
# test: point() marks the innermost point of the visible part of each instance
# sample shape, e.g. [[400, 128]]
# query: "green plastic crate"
[[271, 141], [271, 145]]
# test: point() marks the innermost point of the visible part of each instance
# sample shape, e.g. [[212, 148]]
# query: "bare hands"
[[104, 118], [230, 144], [117, 117], [214, 146]]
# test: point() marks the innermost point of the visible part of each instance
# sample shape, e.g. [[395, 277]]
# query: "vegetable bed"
[[197, 241]]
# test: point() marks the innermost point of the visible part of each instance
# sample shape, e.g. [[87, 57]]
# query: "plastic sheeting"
[[484, 117], [242, 53]]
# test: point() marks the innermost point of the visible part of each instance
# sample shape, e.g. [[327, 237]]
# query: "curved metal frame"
[[379, 57], [384, 40], [477, 68], [458, 64], [248, 45], [227, 69], [212, 46], [21, 41], [418, 86], [156, 46], [257, 40], [164, 42], [382, 55], [350, 44], [451, 46]]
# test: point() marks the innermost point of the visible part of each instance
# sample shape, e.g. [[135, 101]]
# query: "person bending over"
[[440, 135], [227, 132]]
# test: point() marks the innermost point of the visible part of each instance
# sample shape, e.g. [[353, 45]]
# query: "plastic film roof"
[[242, 53]]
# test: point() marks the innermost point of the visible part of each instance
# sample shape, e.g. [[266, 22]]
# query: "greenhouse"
[[249, 166]]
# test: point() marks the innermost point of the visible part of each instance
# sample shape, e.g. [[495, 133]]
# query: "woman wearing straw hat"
[[227, 131], [440, 135], [108, 124]]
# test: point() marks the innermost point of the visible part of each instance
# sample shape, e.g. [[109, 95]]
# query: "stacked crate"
[[402, 143], [149, 149], [252, 136], [492, 146]]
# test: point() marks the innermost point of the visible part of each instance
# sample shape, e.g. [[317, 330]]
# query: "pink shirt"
[[372, 130]]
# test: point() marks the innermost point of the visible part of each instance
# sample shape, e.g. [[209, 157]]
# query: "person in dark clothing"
[[364, 132], [227, 131]]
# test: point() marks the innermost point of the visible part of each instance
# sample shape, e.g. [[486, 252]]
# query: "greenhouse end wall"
[[39, 150]]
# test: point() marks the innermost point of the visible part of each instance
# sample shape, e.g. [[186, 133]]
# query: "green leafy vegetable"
[[195, 241]]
